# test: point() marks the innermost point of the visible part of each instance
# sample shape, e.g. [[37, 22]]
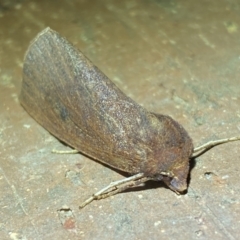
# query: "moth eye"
[[158, 178]]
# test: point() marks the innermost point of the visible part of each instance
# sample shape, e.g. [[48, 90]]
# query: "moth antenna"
[[205, 147]]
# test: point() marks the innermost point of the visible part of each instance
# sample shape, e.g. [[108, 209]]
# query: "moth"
[[72, 99]]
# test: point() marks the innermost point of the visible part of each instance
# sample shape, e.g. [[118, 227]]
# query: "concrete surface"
[[180, 58]]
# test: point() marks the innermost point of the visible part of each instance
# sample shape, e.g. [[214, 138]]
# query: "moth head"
[[176, 178], [171, 151]]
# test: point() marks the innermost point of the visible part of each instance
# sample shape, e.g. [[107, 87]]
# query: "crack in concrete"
[[19, 200]]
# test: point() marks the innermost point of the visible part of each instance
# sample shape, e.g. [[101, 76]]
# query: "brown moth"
[[71, 98]]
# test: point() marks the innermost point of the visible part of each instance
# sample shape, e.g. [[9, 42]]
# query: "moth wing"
[[71, 98]]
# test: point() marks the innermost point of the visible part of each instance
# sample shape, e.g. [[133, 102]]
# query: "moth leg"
[[116, 187], [120, 188], [73, 151], [201, 149]]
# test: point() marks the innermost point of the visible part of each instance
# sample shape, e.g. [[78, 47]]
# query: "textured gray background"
[[180, 58]]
